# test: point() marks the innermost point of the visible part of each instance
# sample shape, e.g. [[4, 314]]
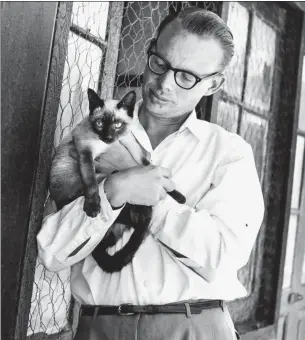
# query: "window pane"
[[227, 116], [238, 19], [293, 221], [298, 171], [261, 65], [254, 130], [91, 16], [82, 69]]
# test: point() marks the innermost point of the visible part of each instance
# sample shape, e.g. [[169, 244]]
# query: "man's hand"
[[143, 185]]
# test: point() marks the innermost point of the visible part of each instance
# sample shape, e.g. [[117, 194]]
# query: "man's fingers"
[[168, 184], [163, 194], [165, 172]]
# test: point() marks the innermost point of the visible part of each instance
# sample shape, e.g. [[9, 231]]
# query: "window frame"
[[263, 323]]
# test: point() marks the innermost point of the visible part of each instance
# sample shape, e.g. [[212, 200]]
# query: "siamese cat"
[[73, 173]]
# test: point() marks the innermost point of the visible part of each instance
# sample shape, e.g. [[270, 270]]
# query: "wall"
[[26, 34]]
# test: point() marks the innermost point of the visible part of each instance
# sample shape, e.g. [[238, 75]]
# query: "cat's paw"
[[92, 205]]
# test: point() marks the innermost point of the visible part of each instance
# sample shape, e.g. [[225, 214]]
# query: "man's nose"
[[166, 81]]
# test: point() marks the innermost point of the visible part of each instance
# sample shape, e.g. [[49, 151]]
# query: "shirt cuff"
[[107, 211], [87, 229]]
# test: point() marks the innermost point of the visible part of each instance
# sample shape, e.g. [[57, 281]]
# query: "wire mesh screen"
[[86, 46], [107, 52]]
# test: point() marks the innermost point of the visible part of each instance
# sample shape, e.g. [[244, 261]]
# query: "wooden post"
[[112, 50]]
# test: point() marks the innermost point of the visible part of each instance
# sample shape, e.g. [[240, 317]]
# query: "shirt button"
[[146, 283]]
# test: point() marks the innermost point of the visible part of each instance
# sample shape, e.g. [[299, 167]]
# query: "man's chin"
[[155, 109]]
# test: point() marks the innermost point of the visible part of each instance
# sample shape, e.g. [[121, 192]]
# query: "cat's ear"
[[128, 103], [94, 100]]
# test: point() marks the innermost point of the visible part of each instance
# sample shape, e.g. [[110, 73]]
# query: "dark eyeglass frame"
[[176, 70]]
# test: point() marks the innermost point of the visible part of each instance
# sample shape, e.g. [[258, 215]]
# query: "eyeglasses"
[[184, 79]]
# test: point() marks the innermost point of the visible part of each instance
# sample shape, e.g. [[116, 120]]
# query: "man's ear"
[[217, 82]]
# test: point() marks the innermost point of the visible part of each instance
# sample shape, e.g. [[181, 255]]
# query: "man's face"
[[162, 97]]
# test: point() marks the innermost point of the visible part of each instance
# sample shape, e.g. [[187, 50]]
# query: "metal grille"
[[106, 51]]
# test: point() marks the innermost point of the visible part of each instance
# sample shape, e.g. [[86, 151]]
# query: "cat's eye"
[[99, 123], [118, 125]]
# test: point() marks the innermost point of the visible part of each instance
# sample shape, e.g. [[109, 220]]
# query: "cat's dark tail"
[[140, 217]]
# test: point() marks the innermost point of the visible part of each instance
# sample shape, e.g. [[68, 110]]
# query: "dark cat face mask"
[[111, 119]]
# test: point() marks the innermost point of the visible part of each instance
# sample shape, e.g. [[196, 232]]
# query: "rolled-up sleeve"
[[69, 235], [218, 234]]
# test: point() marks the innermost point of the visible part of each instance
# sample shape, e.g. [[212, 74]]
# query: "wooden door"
[[292, 311]]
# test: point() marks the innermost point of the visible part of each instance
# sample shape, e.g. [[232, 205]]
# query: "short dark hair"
[[204, 23]]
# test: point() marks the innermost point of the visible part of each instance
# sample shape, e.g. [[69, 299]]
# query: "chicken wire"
[[243, 107]]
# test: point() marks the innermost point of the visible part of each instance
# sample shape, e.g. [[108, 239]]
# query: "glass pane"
[[82, 69], [303, 271], [298, 172], [260, 67], [238, 19], [302, 102], [293, 221], [254, 130], [89, 15], [227, 116]]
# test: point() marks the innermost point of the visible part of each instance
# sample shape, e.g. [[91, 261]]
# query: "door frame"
[[291, 304]]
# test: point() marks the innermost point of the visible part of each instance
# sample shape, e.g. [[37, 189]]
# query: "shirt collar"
[[191, 123]]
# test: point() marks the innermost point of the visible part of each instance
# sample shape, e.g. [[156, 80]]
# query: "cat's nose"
[[108, 139]]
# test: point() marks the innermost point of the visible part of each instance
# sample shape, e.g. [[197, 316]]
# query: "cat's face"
[[111, 119]]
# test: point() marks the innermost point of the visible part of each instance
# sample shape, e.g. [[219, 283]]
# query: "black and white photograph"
[[153, 170]]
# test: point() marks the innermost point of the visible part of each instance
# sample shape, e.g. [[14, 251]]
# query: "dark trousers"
[[211, 324]]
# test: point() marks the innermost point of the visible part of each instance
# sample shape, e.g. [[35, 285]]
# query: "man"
[[188, 264]]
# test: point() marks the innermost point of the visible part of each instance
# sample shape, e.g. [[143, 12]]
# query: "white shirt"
[[214, 230]]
